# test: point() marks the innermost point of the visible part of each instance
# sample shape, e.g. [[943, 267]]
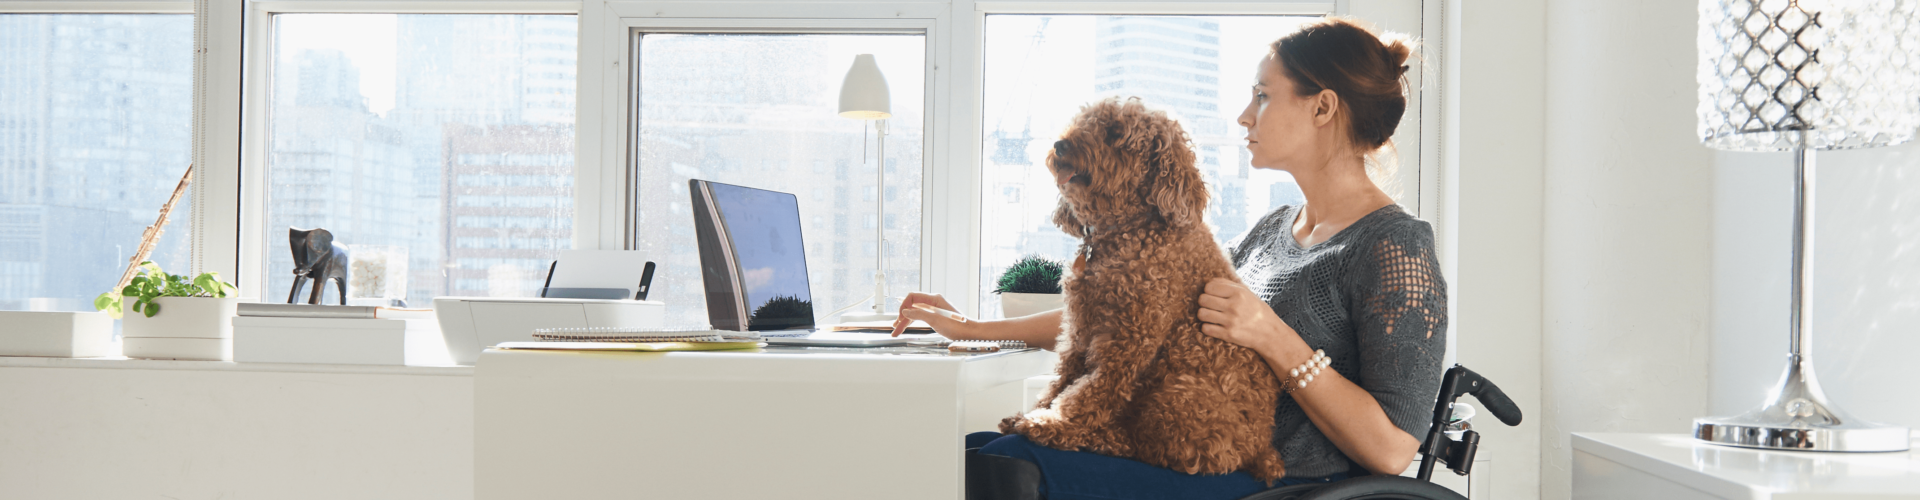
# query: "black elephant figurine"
[[316, 257]]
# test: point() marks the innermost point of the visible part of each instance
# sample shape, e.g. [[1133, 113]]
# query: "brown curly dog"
[[1137, 377]]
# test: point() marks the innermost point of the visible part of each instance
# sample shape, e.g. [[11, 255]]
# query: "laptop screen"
[[760, 235]]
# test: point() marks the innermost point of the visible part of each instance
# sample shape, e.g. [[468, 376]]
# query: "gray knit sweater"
[[1373, 298]]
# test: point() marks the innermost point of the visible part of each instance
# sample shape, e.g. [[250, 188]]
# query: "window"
[[95, 131], [447, 137], [1039, 69], [761, 110]]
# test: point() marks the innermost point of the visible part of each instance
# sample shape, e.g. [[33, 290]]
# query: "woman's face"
[[1284, 130]]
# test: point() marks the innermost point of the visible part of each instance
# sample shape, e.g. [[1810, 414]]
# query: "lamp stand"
[[1796, 415], [880, 312]]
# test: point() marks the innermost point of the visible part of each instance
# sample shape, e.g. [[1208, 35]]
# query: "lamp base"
[[1798, 417], [1749, 432]]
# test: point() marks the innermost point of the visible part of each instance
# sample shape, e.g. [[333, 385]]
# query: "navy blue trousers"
[[1079, 475]]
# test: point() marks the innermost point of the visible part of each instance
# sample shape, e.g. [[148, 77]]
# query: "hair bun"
[[1397, 50]]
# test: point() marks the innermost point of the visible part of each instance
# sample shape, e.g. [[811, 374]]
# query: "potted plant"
[[173, 317], [1030, 286]]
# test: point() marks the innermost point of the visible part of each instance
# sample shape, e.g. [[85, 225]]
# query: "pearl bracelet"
[[1297, 378]]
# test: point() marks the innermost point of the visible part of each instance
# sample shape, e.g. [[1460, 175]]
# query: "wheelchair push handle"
[[1458, 455], [1489, 395]]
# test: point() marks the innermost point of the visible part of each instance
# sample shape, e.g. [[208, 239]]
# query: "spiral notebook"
[[985, 345]]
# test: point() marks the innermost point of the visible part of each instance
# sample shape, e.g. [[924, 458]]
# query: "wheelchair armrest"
[[1367, 487]]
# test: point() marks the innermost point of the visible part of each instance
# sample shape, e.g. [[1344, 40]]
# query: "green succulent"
[[1031, 274], [153, 283]]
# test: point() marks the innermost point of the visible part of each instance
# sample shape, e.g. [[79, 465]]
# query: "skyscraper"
[[466, 75], [480, 132], [332, 163], [1173, 63], [94, 134], [500, 225]]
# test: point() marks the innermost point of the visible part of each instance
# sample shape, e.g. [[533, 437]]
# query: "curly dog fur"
[[1137, 377]]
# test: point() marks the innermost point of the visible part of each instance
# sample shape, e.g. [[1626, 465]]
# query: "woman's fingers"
[[1214, 330], [900, 323], [1214, 303], [908, 314], [1223, 287], [935, 317], [1211, 316]]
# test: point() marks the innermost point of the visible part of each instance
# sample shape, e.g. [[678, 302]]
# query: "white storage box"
[[56, 334], [472, 324], [319, 340]]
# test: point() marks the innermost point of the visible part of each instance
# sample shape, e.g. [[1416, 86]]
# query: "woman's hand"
[[936, 312], [1231, 312]]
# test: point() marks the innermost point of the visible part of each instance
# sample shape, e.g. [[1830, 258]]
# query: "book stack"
[[301, 333]]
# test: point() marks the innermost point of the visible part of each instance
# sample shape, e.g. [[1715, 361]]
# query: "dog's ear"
[[1175, 186], [1178, 191]]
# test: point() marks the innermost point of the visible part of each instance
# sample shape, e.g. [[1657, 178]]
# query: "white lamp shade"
[[1777, 75], [863, 94]]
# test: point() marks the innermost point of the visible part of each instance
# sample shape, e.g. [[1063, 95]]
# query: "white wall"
[[76, 429], [1490, 216], [1866, 316], [1628, 227]]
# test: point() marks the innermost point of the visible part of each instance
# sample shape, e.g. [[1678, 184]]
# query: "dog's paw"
[[1047, 427], [1268, 467]]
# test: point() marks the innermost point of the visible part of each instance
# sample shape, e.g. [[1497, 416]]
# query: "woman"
[[1348, 273]]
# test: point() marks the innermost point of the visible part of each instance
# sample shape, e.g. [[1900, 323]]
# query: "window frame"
[[247, 234], [98, 7], [233, 56], [117, 7], [843, 20]]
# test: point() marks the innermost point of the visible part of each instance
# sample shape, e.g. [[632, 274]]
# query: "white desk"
[[778, 422], [1675, 466]]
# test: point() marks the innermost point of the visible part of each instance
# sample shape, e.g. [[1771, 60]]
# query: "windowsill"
[[229, 366]]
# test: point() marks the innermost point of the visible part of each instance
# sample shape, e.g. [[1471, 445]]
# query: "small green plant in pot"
[[173, 317], [153, 283], [1030, 286]]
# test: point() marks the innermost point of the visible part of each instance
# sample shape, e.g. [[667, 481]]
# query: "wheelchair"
[[992, 477]]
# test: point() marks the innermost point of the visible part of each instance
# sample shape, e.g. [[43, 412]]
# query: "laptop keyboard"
[[785, 334]]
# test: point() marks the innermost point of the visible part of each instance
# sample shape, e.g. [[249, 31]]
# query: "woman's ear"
[[1326, 105], [1178, 191]]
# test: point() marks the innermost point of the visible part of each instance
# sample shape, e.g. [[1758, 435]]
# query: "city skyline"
[[470, 169], [94, 135]]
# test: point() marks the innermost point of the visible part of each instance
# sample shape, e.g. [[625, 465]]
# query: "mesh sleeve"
[[1400, 301]]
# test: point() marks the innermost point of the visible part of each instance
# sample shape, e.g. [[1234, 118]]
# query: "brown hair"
[[1367, 72]]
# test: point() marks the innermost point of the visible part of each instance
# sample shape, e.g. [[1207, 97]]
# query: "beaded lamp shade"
[[1777, 75]]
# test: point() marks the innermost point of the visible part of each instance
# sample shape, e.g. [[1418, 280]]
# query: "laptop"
[[753, 262]]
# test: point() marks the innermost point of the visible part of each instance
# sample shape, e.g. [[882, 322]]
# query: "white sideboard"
[[1675, 466]]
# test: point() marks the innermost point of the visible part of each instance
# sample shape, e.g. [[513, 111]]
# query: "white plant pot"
[[1014, 305], [185, 328]]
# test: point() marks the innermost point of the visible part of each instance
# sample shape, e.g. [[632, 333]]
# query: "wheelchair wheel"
[[1361, 488]]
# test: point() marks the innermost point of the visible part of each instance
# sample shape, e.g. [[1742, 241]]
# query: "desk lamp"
[[1803, 75], [864, 96]]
